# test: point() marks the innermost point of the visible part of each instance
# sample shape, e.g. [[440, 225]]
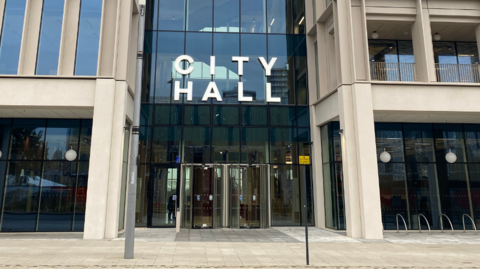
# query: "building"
[[369, 103]]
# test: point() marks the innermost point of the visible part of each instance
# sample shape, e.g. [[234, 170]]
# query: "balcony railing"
[[381, 71], [461, 73]]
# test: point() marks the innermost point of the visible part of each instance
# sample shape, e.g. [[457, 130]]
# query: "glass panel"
[[144, 145], [151, 15], [303, 115], [449, 138], [283, 145], [164, 188], [282, 116], [218, 196], [253, 16], [166, 144], [27, 139], [282, 79], [85, 140], [57, 196], [285, 193], [197, 115], [62, 135], [278, 17], [50, 32], [142, 196], [146, 115], [187, 181], [445, 52], [393, 195], [81, 196], [249, 197], [329, 190], [467, 53], [224, 115], [234, 179], [172, 15], [325, 139], [254, 116], [11, 38], [21, 196], [199, 47], [168, 50], [224, 47], [418, 143], [3, 173], [88, 38], [298, 7], [254, 46], [340, 200], [384, 51], [227, 16], [306, 172], [5, 130], [389, 138], [474, 170], [203, 197], [199, 15], [196, 145], [304, 142], [226, 145], [472, 140], [254, 145], [168, 115], [149, 61], [301, 70]]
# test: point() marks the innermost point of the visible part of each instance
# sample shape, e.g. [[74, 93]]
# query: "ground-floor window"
[[40, 190]]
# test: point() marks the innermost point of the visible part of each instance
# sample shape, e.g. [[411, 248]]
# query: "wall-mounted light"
[[385, 156], [375, 35], [71, 155], [437, 37], [451, 157], [303, 18]]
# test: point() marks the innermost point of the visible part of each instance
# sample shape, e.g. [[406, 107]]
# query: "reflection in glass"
[[226, 145], [285, 189], [254, 145], [306, 173], [21, 196], [151, 15], [57, 196], [303, 116], [283, 145], [199, 15], [418, 143], [166, 144], [50, 32], [88, 38], [298, 7], [27, 139], [474, 172], [164, 187], [445, 52], [81, 196], [304, 142], [11, 36], [254, 46], [168, 50], [199, 47], [253, 16], [149, 61], [227, 17], [301, 70], [62, 135], [197, 115], [5, 129], [171, 15], [146, 115], [224, 47], [168, 115], [144, 144], [278, 17], [282, 116], [85, 140], [254, 116], [225, 115], [196, 145], [282, 79]]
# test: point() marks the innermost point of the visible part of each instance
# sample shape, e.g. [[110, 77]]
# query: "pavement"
[[229, 248]]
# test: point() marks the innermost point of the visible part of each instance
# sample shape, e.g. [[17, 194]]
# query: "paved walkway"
[[272, 248]]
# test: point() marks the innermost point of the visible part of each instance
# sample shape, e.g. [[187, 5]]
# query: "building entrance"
[[221, 196]]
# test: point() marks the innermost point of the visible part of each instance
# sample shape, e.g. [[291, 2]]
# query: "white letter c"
[[179, 60]]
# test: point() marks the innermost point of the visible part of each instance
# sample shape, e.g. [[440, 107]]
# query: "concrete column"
[[109, 37], [361, 184], [99, 171], [68, 41], [423, 46], [317, 173], [31, 33], [2, 11]]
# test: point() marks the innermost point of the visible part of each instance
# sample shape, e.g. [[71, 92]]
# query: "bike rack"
[[420, 225], [404, 223], [443, 215], [473, 223]]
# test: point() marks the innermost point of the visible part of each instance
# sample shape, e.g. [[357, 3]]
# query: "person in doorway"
[[171, 208]]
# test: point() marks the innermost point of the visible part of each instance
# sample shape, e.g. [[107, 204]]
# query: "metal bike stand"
[[420, 225], [473, 223], [441, 222], [404, 223]]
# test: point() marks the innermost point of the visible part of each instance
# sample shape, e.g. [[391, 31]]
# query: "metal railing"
[[441, 222], [381, 71], [461, 73], [473, 223], [404, 223], [420, 224]]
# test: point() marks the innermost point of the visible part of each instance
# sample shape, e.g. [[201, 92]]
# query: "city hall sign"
[[212, 89]]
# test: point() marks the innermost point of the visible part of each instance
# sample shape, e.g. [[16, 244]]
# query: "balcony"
[[460, 73], [381, 71]]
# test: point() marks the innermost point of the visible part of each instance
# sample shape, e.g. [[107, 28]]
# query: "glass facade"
[[40, 189], [419, 180], [391, 60], [226, 132], [11, 36]]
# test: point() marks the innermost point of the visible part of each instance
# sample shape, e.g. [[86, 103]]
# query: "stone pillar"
[[360, 171], [423, 46]]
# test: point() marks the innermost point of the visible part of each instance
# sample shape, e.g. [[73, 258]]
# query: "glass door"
[[186, 200], [202, 197], [234, 195], [163, 197], [218, 203]]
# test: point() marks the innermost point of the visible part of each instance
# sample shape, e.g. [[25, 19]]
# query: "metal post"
[[132, 182], [305, 211]]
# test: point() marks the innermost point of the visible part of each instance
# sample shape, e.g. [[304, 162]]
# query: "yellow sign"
[[304, 159]]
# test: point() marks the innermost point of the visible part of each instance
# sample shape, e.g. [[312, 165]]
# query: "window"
[[50, 33], [11, 36], [88, 38]]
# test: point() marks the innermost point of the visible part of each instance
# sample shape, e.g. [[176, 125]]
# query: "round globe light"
[[437, 37], [71, 155], [451, 157], [385, 156], [375, 35]]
